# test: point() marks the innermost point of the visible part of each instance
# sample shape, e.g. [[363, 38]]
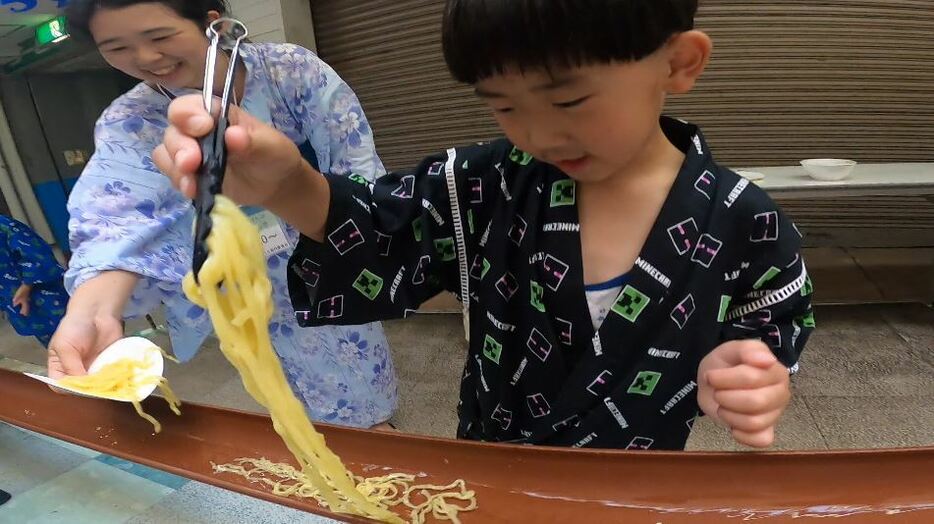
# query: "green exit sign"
[[52, 32]]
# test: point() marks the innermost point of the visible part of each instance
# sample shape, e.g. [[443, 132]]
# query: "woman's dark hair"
[[483, 38], [80, 12]]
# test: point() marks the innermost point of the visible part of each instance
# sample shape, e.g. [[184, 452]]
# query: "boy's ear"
[[688, 55]]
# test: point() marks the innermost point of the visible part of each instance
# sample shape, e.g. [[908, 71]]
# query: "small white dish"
[[136, 348], [752, 176], [829, 169]]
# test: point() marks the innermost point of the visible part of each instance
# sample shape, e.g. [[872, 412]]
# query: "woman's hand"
[[93, 322], [78, 341]]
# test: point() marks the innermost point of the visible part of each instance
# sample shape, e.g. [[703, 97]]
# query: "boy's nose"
[[547, 142]]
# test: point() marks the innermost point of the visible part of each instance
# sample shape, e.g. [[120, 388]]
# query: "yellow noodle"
[[395, 489], [236, 291], [121, 380]]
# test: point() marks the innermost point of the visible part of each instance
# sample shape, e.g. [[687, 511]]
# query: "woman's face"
[[151, 42]]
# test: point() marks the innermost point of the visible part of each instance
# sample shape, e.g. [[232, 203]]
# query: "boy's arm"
[[772, 299], [388, 246], [740, 383], [303, 201]]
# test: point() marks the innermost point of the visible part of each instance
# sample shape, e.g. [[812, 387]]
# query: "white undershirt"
[[601, 297]]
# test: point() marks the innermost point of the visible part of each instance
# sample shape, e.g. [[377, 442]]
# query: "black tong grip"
[[210, 184]]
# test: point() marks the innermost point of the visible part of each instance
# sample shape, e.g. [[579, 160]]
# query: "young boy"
[[614, 277]]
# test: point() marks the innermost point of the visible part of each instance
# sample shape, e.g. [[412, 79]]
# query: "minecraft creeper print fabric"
[[722, 263]]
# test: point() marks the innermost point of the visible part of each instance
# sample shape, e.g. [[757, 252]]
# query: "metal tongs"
[[226, 34]]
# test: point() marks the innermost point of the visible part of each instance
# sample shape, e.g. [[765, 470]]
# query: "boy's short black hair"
[[80, 12], [486, 37]]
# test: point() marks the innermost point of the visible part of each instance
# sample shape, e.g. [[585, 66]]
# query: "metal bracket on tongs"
[[226, 34]]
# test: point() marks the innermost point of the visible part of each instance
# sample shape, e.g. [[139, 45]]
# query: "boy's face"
[[591, 121]]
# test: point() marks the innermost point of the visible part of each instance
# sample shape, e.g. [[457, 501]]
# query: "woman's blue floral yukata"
[[27, 259], [126, 216]]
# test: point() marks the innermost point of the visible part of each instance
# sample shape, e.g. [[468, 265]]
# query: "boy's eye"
[[161, 38], [502, 110], [572, 103], [114, 50]]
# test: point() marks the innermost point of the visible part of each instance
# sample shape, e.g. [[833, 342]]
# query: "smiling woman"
[[159, 42], [131, 233]]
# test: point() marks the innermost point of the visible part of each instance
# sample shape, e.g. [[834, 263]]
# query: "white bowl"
[[829, 169], [136, 348]]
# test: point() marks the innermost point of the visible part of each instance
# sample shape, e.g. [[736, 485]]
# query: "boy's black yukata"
[[721, 263]]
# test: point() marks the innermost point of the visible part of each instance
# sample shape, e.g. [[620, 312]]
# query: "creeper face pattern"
[[808, 321], [631, 303], [725, 301], [520, 157], [538, 296], [492, 349], [645, 383], [418, 228], [446, 248], [563, 193], [808, 288], [767, 277], [368, 284], [359, 179]]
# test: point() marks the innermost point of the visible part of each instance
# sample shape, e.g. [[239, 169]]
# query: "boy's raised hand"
[[260, 159], [744, 387]]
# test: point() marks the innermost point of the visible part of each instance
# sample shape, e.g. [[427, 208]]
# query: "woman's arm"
[[92, 322]]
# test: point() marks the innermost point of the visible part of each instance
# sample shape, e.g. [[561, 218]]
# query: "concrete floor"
[[866, 381]]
